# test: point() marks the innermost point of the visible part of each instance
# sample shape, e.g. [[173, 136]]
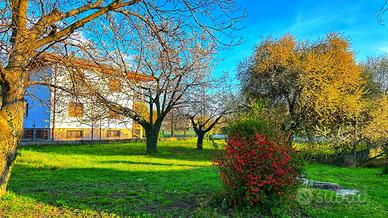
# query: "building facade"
[[53, 114]]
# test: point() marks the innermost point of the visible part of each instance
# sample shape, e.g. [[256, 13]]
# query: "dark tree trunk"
[[152, 134], [355, 153], [200, 137]]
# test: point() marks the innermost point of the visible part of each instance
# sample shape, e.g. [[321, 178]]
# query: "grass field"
[[121, 180]]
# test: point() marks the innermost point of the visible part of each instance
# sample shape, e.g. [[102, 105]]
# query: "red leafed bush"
[[257, 168]]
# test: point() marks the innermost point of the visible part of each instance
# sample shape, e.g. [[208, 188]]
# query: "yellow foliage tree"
[[320, 84], [377, 129], [331, 81]]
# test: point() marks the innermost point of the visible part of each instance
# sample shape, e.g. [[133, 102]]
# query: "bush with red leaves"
[[258, 165]]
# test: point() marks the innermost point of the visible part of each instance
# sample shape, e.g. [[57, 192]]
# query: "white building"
[[55, 115]]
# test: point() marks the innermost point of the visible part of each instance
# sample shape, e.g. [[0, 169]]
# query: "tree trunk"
[[355, 156], [11, 123], [151, 139], [200, 137]]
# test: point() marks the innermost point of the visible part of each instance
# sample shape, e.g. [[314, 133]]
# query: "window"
[[113, 133], [41, 134], [74, 134], [76, 109], [28, 134], [114, 115], [114, 85]]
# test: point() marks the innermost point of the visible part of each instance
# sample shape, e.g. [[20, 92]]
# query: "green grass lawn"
[[121, 180]]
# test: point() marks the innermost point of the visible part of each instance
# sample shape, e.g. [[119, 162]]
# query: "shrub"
[[258, 165]]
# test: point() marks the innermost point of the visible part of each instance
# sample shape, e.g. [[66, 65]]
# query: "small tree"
[[174, 121], [208, 104]]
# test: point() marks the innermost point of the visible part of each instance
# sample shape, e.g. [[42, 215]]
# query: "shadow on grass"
[[148, 163], [167, 150], [124, 193]]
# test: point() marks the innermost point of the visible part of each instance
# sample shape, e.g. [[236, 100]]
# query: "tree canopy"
[[318, 83]]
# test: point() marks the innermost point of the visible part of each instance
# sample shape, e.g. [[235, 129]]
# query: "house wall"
[[94, 116], [51, 111], [98, 134], [38, 100]]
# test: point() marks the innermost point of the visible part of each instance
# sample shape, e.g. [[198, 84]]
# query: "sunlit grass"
[[121, 180], [371, 202], [116, 178]]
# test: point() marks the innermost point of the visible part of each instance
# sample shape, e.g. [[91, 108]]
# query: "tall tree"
[[28, 28], [172, 58], [168, 76], [319, 84], [272, 73]]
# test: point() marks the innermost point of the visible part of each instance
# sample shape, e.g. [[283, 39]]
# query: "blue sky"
[[309, 20]]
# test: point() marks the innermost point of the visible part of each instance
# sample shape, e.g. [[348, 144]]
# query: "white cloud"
[[384, 49], [78, 38]]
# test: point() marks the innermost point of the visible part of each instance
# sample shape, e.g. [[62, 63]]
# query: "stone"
[[326, 185], [329, 186], [320, 185], [347, 192]]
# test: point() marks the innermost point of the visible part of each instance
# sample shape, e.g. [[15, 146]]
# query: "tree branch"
[[71, 28]]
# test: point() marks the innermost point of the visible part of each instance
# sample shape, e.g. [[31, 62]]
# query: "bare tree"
[[208, 104], [169, 75], [29, 28], [175, 121], [376, 73]]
